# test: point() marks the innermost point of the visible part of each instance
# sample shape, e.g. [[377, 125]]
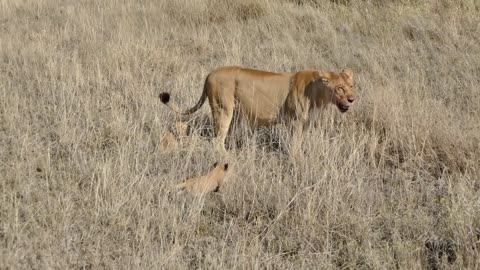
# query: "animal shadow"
[[240, 134]]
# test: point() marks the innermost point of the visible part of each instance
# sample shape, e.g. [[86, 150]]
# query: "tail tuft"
[[164, 97]]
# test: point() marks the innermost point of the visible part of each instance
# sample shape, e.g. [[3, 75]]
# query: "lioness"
[[268, 98], [206, 183]]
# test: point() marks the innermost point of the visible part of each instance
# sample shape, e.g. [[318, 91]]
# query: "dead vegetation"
[[84, 179]]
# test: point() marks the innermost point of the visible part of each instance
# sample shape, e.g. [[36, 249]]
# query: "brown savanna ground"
[[84, 183]]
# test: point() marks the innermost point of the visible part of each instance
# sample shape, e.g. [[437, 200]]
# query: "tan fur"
[[206, 183], [181, 129], [268, 98], [171, 138], [169, 141]]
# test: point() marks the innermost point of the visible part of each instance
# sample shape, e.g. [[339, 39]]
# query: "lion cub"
[[171, 138], [206, 183]]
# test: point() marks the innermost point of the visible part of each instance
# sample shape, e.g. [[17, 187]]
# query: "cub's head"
[[341, 88], [219, 166], [219, 171]]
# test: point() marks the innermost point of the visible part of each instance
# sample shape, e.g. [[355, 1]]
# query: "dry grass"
[[84, 183]]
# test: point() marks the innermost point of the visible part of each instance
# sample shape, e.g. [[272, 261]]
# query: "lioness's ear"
[[324, 80], [225, 166], [348, 72], [215, 164]]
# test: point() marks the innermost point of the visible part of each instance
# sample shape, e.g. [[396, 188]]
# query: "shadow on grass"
[[240, 134]]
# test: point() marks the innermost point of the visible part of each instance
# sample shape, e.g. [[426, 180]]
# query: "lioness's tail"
[[165, 98]]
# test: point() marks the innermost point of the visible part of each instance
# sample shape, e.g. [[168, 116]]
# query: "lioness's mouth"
[[342, 108]]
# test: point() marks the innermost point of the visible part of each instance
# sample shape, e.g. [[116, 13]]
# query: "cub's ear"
[[348, 72], [215, 164], [225, 166]]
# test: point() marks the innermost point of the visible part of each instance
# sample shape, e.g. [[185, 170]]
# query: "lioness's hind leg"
[[222, 119]]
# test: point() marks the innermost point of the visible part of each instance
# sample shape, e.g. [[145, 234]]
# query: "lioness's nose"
[[351, 99]]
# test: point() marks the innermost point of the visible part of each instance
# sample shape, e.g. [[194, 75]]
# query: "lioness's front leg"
[[298, 128], [296, 132], [298, 124]]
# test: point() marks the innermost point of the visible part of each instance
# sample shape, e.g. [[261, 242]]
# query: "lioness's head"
[[341, 87]]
